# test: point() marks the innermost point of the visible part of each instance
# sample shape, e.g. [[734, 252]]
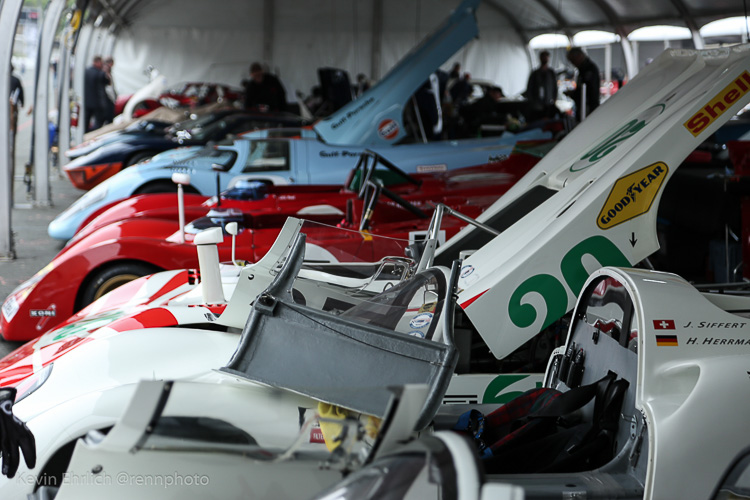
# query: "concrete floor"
[[34, 248]]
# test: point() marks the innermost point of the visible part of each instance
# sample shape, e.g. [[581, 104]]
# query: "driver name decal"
[[719, 104], [632, 195]]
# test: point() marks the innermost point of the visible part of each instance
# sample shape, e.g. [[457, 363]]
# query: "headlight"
[[94, 196], [13, 303]]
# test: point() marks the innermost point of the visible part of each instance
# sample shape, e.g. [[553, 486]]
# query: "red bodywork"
[[132, 235]]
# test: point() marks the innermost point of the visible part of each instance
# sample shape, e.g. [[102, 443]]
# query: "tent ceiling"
[[529, 17]]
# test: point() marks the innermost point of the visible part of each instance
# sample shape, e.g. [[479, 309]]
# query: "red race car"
[[134, 244]]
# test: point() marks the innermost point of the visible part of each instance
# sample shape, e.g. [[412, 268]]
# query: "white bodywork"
[[637, 138], [549, 254]]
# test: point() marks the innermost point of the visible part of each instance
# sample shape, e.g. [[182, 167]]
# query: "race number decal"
[[554, 293]]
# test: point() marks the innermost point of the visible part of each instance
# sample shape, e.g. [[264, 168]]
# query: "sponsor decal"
[[667, 340], [83, 327], [497, 158], [632, 195], [10, 308], [421, 320], [429, 307], [718, 105], [416, 333], [664, 324], [619, 136], [467, 271], [388, 129], [43, 313], [316, 435], [427, 169]]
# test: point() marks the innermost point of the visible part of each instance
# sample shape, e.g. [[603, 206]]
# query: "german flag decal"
[[666, 340]]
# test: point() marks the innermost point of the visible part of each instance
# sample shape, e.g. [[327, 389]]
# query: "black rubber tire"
[[139, 157], [108, 278]]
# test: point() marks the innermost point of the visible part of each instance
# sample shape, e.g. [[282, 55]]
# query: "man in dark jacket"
[[16, 99], [95, 95], [541, 90], [588, 75], [264, 91]]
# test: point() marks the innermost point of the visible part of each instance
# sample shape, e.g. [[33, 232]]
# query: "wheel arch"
[[94, 272]]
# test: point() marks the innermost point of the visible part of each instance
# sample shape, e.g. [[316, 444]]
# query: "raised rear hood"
[[376, 117], [592, 201]]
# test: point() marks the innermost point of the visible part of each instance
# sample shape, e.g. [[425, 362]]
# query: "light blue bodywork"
[[376, 118], [278, 161], [326, 154]]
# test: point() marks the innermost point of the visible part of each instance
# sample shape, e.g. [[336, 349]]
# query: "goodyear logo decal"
[[632, 195], [719, 104]]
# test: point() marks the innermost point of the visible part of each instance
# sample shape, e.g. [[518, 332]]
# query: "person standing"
[[541, 90], [264, 90], [109, 90], [95, 95], [16, 100], [588, 75]]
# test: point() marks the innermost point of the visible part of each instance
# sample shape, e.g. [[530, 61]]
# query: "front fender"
[[89, 387]]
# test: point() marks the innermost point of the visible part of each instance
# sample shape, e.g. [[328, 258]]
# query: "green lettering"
[[551, 290], [599, 247], [494, 394]]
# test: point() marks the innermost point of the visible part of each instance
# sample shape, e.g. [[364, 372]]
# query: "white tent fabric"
[[336, 33]]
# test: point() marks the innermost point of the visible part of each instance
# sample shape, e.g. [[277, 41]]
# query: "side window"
[[206, 158], [267, 155]]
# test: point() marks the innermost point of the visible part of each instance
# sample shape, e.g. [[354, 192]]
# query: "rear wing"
[[376, 117]]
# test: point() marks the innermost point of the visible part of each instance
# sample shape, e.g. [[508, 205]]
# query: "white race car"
[[591, 202], [670, 430]]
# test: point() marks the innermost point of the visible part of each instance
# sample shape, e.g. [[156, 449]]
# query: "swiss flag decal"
[[663, 324]]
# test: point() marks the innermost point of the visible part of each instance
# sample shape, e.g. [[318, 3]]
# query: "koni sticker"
[[718, 105], [388, 129], [632, 195]]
